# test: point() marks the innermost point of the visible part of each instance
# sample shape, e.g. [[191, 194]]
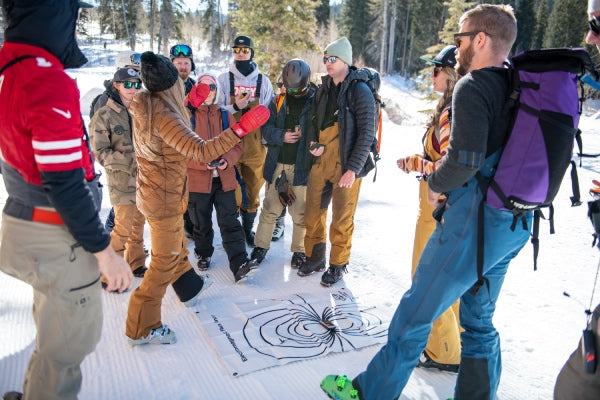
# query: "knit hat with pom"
[[158, 72]]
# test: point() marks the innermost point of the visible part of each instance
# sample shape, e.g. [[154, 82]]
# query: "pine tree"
[[567, 25], [526, 23], [356, 24], [280, 31], [211, 22], [120, 17], [322, 13], [541, 22], [170, 24]]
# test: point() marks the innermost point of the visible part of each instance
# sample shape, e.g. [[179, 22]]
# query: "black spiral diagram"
[[300, 330]]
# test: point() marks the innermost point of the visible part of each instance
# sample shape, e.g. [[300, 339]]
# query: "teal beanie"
[[341, 48]]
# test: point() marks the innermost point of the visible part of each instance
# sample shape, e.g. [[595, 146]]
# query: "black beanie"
[[158, 72]]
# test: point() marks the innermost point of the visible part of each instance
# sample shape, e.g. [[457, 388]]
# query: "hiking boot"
[[12, 396], [426, 362], [339, 388], [258, 254], [245, 269], [160, 335], [298, 259], [207, 280], [139, 272], [333, 274], [203, 262], [279, 229]]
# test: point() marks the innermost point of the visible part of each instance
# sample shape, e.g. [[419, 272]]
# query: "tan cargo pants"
[[67, 305], [127, 236], [322, 188], [272, 207]]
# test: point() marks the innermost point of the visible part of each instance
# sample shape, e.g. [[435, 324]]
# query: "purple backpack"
[[544, 104]]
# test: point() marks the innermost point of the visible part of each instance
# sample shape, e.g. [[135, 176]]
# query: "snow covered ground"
[[539, 327]]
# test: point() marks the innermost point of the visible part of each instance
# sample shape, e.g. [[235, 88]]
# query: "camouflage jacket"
[[112, 142]]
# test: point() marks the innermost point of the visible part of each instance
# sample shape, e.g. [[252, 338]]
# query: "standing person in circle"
[[443, 347], [183, 59], [242, 88], [212, 186], [111, 131], [286, 166]]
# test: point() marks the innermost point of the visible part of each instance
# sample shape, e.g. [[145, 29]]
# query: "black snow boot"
[[314, 263], [247, 224], [333, 274]]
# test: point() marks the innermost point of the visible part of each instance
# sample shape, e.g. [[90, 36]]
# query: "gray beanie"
[[158, 72], [593, 6], [342, 49]]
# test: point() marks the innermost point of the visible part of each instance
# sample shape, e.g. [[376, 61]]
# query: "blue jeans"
[[446, 271]]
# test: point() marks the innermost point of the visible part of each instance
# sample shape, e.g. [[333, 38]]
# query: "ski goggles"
[[129, 84], [594, 25], [299, 91], [330, 59], [136, 59], [244, 50], [181, 50]]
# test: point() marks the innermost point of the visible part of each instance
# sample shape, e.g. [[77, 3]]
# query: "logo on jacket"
[[42, 62], [66, 114]]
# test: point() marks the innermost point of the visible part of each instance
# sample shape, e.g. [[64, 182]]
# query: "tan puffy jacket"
[[163, 143]]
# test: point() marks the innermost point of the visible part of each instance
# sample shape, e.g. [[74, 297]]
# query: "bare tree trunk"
[[390, 60], [131, 45], [403, 69], [383, 41], [152, 12]]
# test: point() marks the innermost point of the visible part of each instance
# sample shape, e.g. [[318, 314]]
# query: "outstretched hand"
[[198, 94], [252, 120]]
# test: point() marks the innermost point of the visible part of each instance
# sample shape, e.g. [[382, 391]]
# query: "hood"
[[49, 24]]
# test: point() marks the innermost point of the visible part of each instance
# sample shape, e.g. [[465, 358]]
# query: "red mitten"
[[253, 119], [198, 94]]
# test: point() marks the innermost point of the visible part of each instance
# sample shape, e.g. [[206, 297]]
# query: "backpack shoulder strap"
[[231, 88], [258, 86], [224, 119]]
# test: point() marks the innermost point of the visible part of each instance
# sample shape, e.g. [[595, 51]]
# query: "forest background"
[[388, 35]]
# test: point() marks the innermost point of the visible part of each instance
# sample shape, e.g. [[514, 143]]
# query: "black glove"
[[286, 195]]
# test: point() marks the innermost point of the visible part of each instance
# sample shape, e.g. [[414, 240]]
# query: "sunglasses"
[[458, 40], [135, 59], [594, 24], [129, 85], [181, 50], [436, 71], [244, 50], [279, 85], [212, 86], [330, 59], [297, 91]]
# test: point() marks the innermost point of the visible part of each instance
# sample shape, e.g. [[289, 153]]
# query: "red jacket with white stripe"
[[46, 157]]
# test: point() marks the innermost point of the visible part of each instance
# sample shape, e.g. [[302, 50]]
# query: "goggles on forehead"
[[594, 25], [181, 50], [135, 59], [330, 59], [129, 85], [244, 50]]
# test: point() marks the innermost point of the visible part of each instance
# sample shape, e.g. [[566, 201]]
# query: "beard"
[[465, 60]]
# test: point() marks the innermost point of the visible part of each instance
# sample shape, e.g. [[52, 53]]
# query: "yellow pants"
[[168, 262], [127, 236], [322, 188], [272, 207], [443, 345], [250, 167]]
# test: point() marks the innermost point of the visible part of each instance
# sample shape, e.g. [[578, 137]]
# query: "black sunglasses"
[[181, 50], [212, 87], [458, 40], [129, 84], [594, 24], [436, 71], [330, 59], [279, 84]]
